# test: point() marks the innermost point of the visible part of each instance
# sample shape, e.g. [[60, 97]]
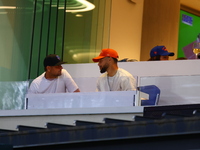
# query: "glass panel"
[[81, 100], [15, 38], [13, 94], [31, 29], [76, 34], [85, 31], [175, 89], [36, 38]]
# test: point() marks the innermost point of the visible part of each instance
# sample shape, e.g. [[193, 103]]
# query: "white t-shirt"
[[62, 84], [121, 81]]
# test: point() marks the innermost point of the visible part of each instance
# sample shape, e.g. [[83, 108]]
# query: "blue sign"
[[187, 19]]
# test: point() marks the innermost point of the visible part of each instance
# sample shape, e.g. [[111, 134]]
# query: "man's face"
[[164, 57], [54, 71], [103, 64]]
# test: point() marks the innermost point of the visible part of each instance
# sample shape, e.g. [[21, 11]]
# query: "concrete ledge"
[[71, 111]]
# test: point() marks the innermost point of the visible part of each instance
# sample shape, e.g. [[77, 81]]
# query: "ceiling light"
[[79, 15], [7, 7], [89, 6]]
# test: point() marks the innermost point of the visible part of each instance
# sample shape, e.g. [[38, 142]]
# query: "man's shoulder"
[[124, 72], [39, 78], [64, 70], [65, 74], [104, 75]]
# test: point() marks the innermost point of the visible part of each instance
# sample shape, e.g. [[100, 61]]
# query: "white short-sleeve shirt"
[[62, 84]]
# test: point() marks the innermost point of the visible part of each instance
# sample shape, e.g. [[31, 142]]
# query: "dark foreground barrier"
[[165, 129]]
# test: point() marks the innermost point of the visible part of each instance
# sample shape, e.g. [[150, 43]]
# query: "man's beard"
[[104, 68]]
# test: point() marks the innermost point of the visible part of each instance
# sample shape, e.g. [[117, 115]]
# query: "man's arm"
[[128, 83]]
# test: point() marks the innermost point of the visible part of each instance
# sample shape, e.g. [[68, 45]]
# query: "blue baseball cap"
[[160, 51]]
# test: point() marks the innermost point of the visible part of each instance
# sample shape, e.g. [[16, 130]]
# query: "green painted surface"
[[187, 33]]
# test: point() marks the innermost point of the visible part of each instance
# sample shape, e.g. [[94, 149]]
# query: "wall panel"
[[160, 26]]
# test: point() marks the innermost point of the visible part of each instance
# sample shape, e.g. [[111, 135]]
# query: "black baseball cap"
[[52, 60]]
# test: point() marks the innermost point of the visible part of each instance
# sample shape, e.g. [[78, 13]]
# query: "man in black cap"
[[55, 79]]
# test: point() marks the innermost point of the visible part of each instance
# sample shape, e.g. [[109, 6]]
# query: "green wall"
[[187, 32]]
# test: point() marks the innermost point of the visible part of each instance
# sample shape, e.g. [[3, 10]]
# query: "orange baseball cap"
[[106, 53]]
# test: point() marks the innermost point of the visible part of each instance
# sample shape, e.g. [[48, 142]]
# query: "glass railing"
[[173, 90], [81, 100], [12, 94]]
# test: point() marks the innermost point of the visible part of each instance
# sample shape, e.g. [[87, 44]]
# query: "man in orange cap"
[[113, 78]]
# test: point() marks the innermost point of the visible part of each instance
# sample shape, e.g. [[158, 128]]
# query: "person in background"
[[181, 58], [159, 53], [198, 56], [55, 79], [113, 78]]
